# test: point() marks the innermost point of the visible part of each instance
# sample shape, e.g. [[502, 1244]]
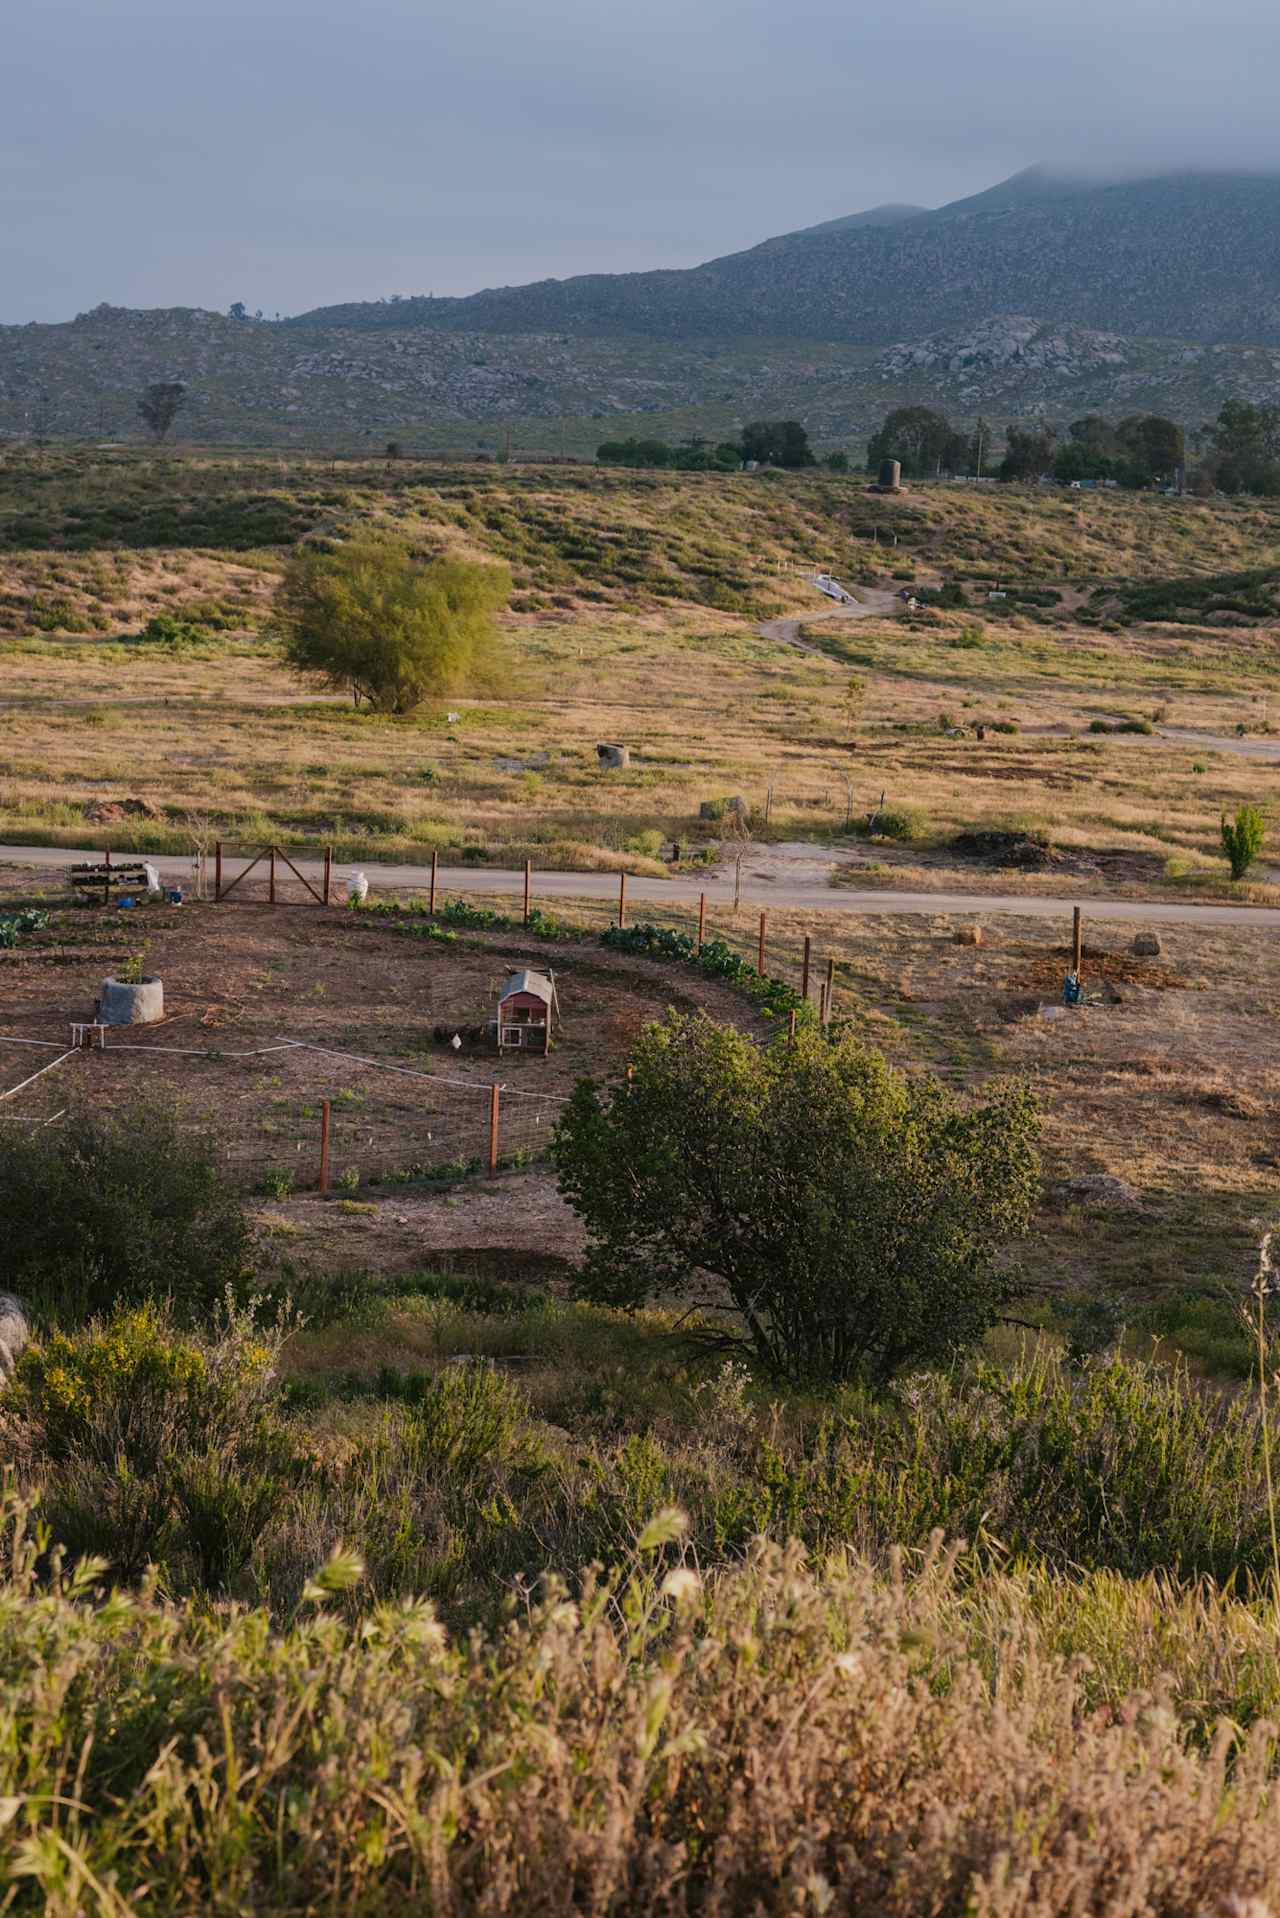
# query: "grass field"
[[634, 617]]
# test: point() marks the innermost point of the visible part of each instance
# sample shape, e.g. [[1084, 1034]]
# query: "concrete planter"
[[130, 1005]]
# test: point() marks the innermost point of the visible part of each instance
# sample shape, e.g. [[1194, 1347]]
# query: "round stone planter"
[[130, 1005]]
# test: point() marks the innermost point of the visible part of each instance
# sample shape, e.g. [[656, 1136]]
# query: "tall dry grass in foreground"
[[784, 1739]]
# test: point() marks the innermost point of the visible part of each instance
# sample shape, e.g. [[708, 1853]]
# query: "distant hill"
[[1184, 256], [1042, 295]]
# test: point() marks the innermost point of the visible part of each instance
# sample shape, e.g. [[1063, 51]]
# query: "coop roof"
[[536, 983]]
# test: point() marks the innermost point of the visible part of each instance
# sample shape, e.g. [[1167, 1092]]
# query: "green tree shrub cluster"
[[107, 1209], [847, 1216], [395, 629], [1242, 839]]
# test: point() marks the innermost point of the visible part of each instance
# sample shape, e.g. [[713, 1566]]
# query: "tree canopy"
[[777, 443], [922, 441], [1244, 452], [394, 628], [847, 1217], [159, 405]]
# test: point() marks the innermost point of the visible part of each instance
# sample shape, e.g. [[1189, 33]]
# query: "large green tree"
[[777, 443], [843, 1219], [1245, 455], [924, 442], [396, 629]]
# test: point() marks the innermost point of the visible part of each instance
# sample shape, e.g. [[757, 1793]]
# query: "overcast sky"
[[293, 152]]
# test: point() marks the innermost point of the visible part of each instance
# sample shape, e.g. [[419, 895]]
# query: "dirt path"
[[716, 884], [874, 602]]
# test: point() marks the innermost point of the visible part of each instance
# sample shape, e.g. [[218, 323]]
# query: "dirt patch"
[[1014, 849], [1043, 972]]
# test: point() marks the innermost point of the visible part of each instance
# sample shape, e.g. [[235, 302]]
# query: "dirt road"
[[873, 602], [718, 886]]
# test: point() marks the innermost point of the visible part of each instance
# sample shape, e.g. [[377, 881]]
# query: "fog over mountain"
[[293, 153]]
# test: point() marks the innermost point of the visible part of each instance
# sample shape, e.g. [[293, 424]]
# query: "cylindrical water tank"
[[890, 475], [123, 1004]]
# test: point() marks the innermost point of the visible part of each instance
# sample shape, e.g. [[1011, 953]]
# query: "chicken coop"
[[527, 1009]]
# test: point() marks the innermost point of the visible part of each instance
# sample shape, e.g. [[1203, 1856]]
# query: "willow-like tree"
[[372, 617]]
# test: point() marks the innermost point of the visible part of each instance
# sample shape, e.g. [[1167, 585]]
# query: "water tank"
[[890, 475]]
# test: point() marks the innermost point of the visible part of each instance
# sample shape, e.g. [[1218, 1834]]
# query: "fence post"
[[324, 1145], [328, 872], [217, 872], [528, 886], [1077, 939], [702, 917], [831, 991], [493, 1127], [435, 867], [271, 887], [804, 974], [791, 1028], [760, 947], [622, 899]]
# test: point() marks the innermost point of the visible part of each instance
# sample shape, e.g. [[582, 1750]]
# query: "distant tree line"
[[1239, 452], [763, 442]]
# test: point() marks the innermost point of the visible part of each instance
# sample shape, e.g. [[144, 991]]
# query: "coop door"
[[513, 1035]]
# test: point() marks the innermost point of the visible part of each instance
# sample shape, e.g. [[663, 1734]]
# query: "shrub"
[[1242, 839], [846, 1216], [647, 844], [373, 617], [153, 1446], [899, 822], [166, 629], [114, 1209]]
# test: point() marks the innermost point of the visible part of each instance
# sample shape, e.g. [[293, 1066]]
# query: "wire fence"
[[289, 1116]]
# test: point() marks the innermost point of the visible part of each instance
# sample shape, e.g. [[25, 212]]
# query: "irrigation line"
[[70, 1054], [194, 1052], [408, 1072], [50, 1045]]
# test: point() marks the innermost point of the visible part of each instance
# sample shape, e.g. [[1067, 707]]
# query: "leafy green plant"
[[110, 1209], [13, 925], [1242, 838], [154, 1445], [847, 1216]]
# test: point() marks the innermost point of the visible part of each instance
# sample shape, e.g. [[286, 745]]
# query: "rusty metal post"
[[528, 887], [324, 1145], [702, 917], [804, 974], [328, 873], [217, 871], [831, 991], [271, 885], [493, 1126], [760, 947], [1077, 940], [622, 899], [435, 867]]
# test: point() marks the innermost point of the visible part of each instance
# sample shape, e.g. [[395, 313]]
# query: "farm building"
[[526, 1005]]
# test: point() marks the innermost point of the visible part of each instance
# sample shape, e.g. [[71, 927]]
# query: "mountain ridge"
[[1184, 255]]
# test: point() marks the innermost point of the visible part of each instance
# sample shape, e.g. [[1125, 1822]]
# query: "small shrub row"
[[718, 960]]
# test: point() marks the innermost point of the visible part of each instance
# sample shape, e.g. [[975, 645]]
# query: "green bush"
[[154, 1446], [111, 1209], [899, 822], [167, 630], [1242, 839], [844, 1218]]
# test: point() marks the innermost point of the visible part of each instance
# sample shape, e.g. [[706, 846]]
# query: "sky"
[[290, 153]]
